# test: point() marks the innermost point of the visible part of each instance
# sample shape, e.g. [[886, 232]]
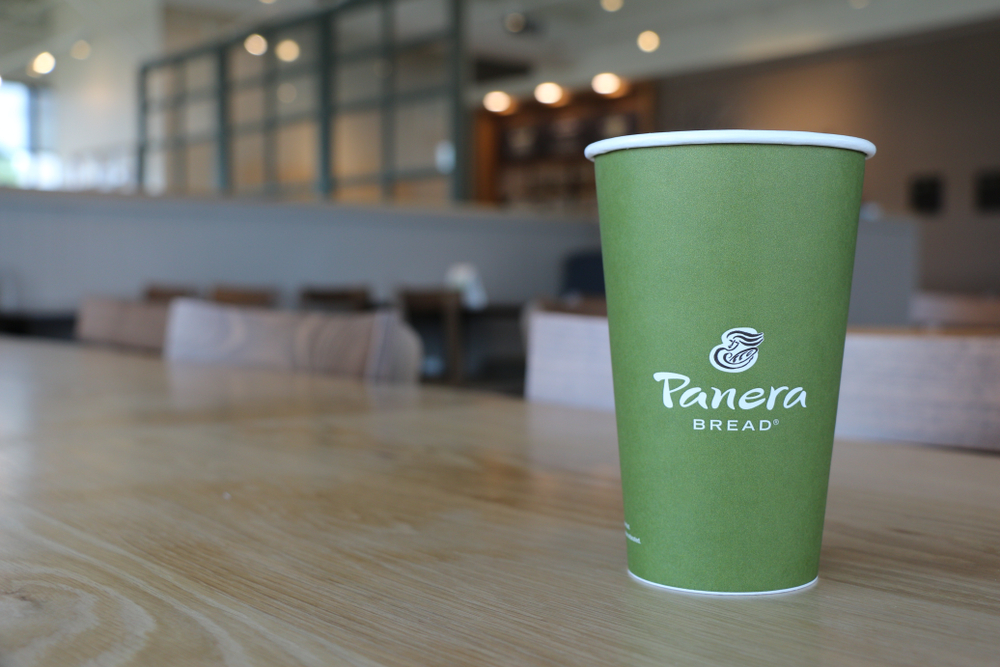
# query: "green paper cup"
[[727, 259]]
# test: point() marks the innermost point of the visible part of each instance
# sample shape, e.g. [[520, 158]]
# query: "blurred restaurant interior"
[[305, 358], [427, 155]]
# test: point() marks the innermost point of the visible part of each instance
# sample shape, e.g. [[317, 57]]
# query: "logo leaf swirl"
[[738, 351]]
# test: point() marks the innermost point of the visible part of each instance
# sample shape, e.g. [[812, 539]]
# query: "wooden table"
[[152, 515]]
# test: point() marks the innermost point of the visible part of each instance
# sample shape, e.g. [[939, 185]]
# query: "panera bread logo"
[[738, 352]]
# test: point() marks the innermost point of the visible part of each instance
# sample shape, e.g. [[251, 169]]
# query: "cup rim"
[[697, 137]]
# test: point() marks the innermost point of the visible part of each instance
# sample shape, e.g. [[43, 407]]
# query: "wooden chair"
[[445, 304], [235, 295], [130, 324], [575, 305], [157, 293], [347, 299], [375, 346]]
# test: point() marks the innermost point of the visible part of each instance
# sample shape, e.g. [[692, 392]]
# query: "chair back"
[[244, 296], [569, 360], [130, 324], [909, 386], [157, 293], [335, 299], [954, 309], [928, 387], [371, 346]]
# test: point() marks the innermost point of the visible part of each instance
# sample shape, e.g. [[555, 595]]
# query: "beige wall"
[[96, 99], [930, 104], [185, 28]]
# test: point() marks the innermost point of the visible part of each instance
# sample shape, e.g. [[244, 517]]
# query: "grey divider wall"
[[885, 272], [56, 248]]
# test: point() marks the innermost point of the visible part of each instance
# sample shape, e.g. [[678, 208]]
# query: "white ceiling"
[[247, 10], [22, 22], [577, 39]]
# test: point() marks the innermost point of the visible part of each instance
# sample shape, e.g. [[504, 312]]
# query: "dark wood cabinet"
[[533, 158]]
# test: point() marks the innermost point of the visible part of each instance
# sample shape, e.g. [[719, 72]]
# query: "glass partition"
[[356, 103]]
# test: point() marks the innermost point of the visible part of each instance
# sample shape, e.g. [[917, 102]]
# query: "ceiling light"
[[43, 63], [859, 4], [515, 22], [287, 50], [648, 41], [549, 93], [255, 45], [80, 50], [611, 5], [606, 83], [267, 2], [498, 101]]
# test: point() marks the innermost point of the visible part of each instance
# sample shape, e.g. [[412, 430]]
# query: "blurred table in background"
[[459, 338], [166, 515], [444, 305]]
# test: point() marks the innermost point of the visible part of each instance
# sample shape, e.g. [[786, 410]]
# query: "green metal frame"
[[324, 67]]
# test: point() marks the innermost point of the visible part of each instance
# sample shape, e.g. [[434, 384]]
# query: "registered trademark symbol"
[[775, 422]]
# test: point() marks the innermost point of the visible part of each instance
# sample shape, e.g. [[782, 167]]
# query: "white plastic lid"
[[729, 137]]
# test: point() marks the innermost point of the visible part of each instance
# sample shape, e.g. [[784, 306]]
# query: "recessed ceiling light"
[[80, 49], [268, 2], [515, 22], [255, 45], [287, 50], [648, 41], [497, 101], [611, 5], [43, 63], [606, 83], [549, 93]]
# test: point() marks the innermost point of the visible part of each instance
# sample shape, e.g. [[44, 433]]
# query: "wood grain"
[[152, 515]]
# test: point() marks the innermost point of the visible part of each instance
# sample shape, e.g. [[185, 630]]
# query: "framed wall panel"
[[341, 103]]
